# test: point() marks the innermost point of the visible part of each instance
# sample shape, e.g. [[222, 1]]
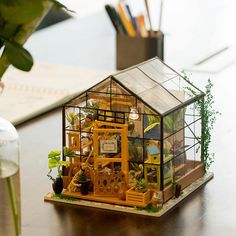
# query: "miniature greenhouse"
[[135, 134]]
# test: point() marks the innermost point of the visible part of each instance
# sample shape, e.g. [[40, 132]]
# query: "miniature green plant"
[[140, 185], [82, 177], [209, 114], [54, 161]]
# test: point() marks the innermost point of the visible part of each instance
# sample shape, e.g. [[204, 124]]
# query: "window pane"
[[135, 80]]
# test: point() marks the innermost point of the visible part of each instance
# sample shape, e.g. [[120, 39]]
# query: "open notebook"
[[45, 87]]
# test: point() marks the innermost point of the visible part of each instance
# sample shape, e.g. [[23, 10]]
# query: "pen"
[[112, 18], [115, 19]]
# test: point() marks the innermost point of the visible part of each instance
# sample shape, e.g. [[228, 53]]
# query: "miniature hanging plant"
[[209, 114]]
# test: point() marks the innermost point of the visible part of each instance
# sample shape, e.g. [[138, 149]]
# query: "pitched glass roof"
[[157, 85]]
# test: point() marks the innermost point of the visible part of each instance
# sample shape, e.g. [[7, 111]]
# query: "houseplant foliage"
[[55, 162], [18, 20]]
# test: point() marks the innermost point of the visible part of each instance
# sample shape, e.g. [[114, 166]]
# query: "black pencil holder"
[[134, 50]]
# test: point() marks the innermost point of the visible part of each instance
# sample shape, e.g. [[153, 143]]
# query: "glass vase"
[[10, 224]]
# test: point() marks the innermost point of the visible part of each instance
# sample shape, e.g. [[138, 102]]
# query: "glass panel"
[[122, 102], [73, 141], [118, 89], [191, 114], [174, 145], [135, 80], [159, 99], [173, 122], [181, 89], [152, 175], [162, 68], [86, 142], [179, 166], [152, 152], [135, 172], [72, 118], [98, 100], [135, 150], [194, 131], [79, 101], [168, 173], [135, 127], [87, 117], [102, 86], [151, 126], [157, 71], [193, 157]]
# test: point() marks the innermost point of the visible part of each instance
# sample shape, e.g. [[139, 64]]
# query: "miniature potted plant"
[[140, 185], [139, 195], [55, 162], [176, 188], [83, 181]]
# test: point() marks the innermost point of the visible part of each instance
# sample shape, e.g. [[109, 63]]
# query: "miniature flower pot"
[[84, 188], [177, 190], [57, 185], [134, 198]]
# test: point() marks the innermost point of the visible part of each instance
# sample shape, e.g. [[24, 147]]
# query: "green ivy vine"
[[205, 107]]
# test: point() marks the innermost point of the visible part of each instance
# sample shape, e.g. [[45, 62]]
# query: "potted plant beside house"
[[55, 162], [83, 181], [139, 195], [140, 185]]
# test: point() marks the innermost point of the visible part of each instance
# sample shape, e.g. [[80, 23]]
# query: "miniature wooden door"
[[110, 145]]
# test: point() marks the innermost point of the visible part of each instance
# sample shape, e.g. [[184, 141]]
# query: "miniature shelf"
[[170, 205]]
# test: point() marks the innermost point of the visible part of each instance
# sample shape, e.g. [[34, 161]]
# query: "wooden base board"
[[171, 204]]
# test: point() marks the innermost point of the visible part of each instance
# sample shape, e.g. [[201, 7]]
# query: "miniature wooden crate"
[[135, 198]]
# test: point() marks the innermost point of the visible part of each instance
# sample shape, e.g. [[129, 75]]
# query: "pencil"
[[126, 21], [160, 17], [149, 17]]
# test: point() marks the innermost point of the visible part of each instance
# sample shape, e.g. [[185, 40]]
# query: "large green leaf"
[[7, 30], [151, 126], [18, 56], [20, 11], [54, 153]]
